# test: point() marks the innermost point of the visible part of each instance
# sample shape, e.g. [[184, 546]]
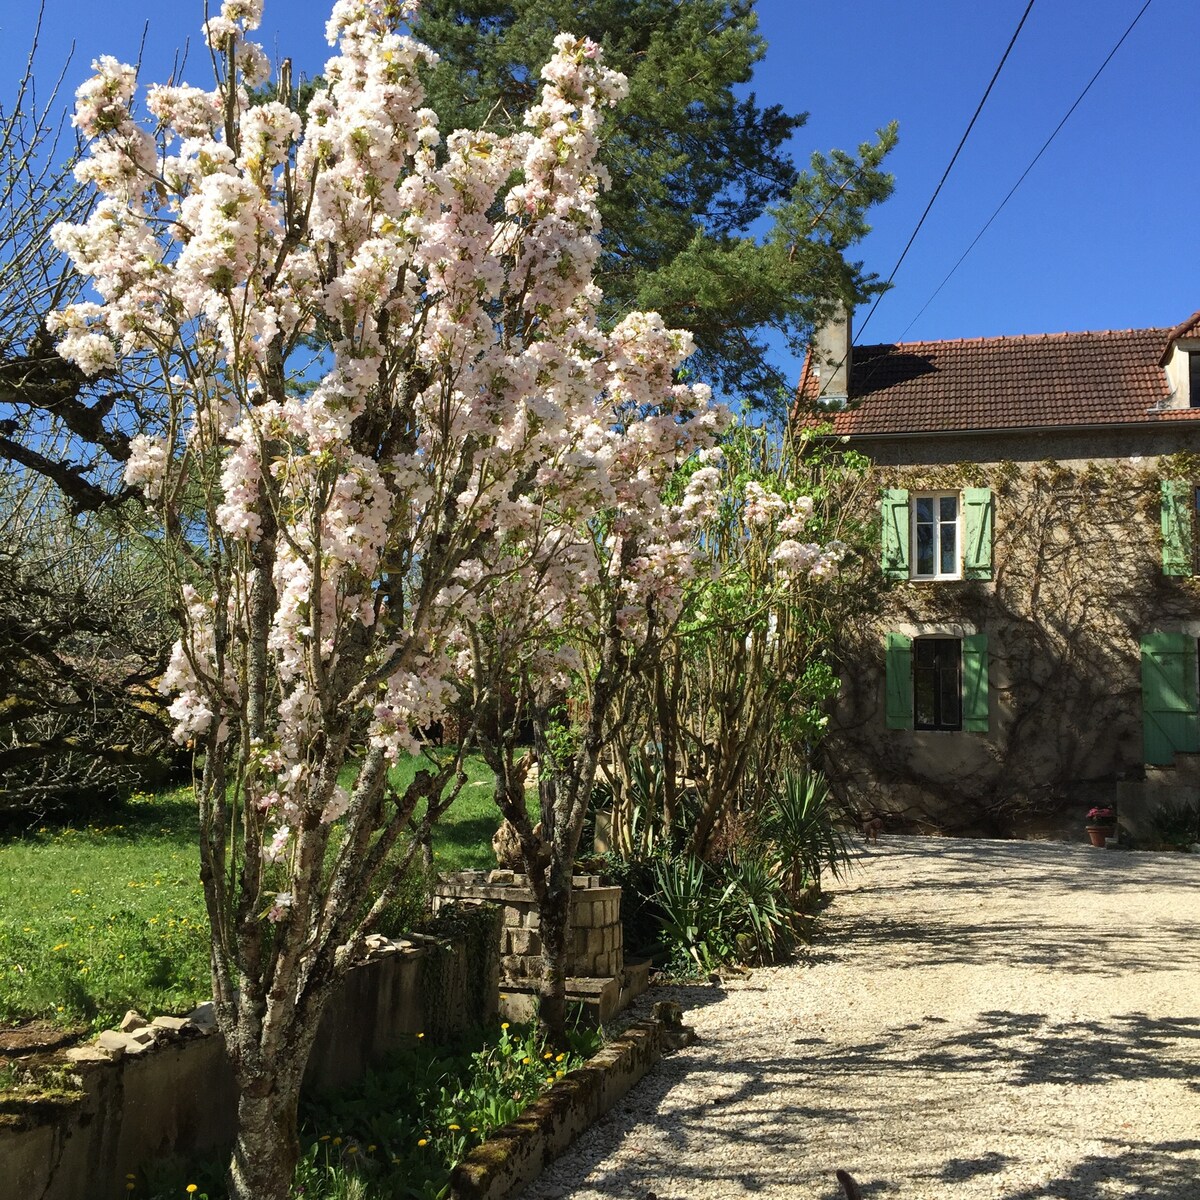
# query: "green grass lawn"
[[98, 919]]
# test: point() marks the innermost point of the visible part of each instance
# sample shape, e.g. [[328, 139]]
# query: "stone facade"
[[1077, 580]]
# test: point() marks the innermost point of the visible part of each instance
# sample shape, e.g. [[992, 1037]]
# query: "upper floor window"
[[938, 535], [935, 539]]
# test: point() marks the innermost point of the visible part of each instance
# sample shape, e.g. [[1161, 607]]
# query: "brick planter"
[[596, 971]]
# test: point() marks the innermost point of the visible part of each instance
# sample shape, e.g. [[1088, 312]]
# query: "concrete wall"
[[177, 1098]]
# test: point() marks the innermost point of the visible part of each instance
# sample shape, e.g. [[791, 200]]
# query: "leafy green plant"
[[403, 1128], [690, 915], [755, 908], [1178, 823], [799, 822]]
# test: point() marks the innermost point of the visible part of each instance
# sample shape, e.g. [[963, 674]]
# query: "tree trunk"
[[555, 917], [268, 1143]]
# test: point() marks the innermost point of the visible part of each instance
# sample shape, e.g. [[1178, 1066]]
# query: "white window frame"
[[937, 534]]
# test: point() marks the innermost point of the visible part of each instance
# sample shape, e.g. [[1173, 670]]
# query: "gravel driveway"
[[975, 1019]]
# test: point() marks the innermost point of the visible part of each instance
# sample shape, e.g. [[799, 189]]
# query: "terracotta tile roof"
[[1027, 382]]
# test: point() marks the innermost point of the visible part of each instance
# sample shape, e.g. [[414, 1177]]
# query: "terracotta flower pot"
[[1100, 833]]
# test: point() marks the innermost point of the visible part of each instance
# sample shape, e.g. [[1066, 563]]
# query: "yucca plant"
[[690, 912], [798, 822], [756, 908]]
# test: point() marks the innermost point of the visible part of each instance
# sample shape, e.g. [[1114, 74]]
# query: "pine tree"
[[695, 168]]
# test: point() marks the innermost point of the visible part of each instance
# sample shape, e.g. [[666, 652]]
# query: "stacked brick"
[[597, 948]]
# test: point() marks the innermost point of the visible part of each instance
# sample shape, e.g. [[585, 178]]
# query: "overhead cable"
[[950, 165], [1032, 164]]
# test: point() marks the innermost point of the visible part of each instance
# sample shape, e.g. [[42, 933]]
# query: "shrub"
[[1178, 823]]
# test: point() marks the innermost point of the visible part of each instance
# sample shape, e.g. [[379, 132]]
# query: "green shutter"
[[895, 533], [975, 683], [979, 517], [899, 682], [1170, 696], [1177, 505]]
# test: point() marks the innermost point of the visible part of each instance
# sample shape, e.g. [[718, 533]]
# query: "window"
[[937, 682], [938, 535], [1193, 379], [935, 536]]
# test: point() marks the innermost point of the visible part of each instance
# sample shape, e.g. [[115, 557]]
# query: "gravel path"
[[975, 1019]]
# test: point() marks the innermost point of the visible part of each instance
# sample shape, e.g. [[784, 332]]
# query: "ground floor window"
[[937, 683]]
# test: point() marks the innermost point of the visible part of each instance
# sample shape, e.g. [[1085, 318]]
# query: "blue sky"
[[1099, 236]]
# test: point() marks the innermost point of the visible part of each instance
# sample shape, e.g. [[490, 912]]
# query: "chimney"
[[830, 350]]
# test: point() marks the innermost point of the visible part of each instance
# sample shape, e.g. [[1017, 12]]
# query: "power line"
[[950, 165], [1032, 164]]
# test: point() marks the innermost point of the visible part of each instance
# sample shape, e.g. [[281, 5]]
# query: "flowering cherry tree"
[[338, 519]]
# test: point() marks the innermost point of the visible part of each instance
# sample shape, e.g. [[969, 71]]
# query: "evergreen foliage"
[[696, 168]]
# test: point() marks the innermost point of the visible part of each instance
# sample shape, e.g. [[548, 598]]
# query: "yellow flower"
[[547, 1056], [337, 1141], [526, 1060], [130, 1186], [323, 1138], [370, 1149], [503, 1024], [420, 1035], [351, 1149], [131, 1175], [454, 1127], [422, 1142], [559, 1057]]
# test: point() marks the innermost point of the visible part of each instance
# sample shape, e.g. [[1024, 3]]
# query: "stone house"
[[1037, 647]]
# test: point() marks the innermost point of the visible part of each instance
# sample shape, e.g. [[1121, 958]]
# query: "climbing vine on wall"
[[1077, 579]]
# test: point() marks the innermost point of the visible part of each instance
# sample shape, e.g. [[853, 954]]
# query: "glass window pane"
[[949, 508], [950, 714], [924, 508], [925, 553], [949, 550], [924, 710]]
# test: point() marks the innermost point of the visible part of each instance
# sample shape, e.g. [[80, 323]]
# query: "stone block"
[[524, 941], [514, 966], [91, 1053], [132, 1020], [113, 1043], [169, 1025], [204, 1016]]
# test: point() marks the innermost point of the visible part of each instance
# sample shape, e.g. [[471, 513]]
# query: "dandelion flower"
[[503, 1024], [454, 1127], [420, 1035], [337, 1141], [422, 1141]]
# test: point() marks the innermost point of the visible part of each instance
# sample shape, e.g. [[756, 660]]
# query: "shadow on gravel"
[[1023, 1049], [1158, 1171], [1014, 941]]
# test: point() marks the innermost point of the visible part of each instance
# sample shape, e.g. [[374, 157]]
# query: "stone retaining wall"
[[172, 1093], [517, 1153]]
